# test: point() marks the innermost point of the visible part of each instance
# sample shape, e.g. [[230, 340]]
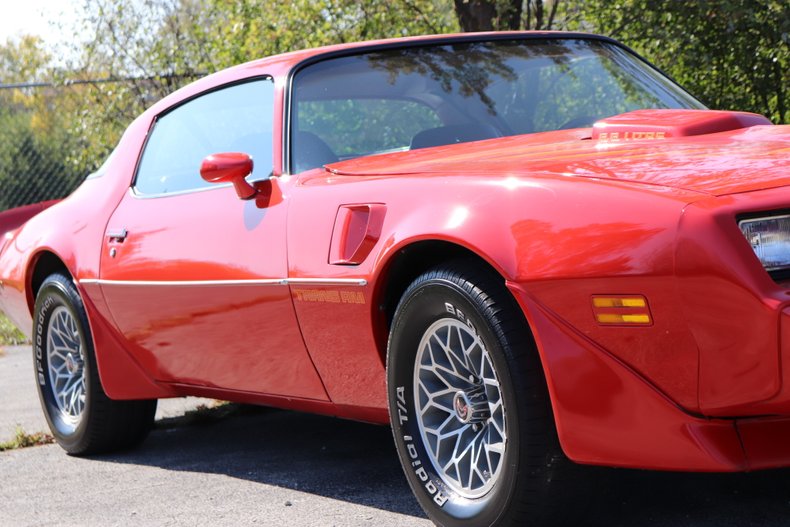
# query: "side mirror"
[[229, 167]]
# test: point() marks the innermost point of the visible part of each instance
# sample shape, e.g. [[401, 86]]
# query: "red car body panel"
[[723, 163], [562, 216], [204, 319], [14, 218]]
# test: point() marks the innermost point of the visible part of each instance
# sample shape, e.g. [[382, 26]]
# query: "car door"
[[192, 275]]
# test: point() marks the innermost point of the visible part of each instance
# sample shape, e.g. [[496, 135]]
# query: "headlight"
[[770, 239]]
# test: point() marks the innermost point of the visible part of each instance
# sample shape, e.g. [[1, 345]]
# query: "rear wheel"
[[81, 416], [469, 406]]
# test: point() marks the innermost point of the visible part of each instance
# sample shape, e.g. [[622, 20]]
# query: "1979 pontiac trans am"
[[521, 250]]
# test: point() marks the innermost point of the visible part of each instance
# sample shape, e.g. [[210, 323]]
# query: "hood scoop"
[[652, 125]]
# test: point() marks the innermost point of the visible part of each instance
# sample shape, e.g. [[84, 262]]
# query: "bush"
[[9, 334]]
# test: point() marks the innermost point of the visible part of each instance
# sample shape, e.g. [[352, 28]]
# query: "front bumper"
[[739, 316], [608, 414]]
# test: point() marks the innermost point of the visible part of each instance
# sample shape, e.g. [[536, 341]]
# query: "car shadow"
[[653, 499], [357, 463], [333, 458]]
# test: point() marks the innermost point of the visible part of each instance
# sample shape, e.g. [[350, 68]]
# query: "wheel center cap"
[[471, 406], [72, 364], [461, 407]]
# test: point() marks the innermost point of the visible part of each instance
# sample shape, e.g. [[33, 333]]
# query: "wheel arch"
[[405, 264], [410, 260], [121, 375], [41, 265]]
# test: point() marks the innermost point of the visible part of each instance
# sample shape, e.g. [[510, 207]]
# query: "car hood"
[[693, 155]]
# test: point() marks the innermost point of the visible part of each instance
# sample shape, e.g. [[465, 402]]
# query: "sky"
[[37, 17]]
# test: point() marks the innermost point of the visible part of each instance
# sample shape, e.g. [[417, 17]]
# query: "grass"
[[202, 415], [23, 440], [9, 334]]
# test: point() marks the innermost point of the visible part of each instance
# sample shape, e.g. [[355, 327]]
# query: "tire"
[[82, 418], [503, 411]]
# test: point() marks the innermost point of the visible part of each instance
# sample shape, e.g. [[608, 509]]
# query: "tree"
[[142, 50], [235, 31], [159, 45], [34, 144], [502, 15], [732, 54]]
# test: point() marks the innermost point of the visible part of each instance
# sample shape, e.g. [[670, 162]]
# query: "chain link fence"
[[53, 136], [36, 142]]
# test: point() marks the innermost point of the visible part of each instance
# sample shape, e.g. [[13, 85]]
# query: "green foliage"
[[9, 334], [34, 143], [165, 44], [364, 126], [732, 54], [504, 15], [23, 439], [23, 61], [245, 29], [33, 163]]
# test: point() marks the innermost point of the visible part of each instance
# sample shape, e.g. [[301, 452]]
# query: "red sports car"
[[518, 249]]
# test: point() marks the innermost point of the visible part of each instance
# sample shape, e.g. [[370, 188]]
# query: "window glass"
[[233, 119], [354, 127], [440, 94]]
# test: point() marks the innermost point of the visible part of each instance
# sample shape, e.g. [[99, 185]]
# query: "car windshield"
[[418, 97]]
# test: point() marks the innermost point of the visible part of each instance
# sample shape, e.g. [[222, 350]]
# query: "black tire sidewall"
[[423, 304], [57, 291]]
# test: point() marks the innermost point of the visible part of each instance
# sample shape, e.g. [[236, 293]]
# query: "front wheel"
[[468, 403], [80, 415]]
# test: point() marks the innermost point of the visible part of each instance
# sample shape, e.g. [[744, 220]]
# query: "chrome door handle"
[[117, 235]]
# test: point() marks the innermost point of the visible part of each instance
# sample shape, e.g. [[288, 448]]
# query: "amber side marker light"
[[630, 310]]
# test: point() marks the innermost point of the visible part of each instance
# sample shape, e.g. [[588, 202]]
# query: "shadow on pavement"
[[356, 462], [333, 458], [653, 499]]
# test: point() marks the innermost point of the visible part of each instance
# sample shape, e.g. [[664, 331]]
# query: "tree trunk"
[[475, 15], [501, 15], [510, 15]]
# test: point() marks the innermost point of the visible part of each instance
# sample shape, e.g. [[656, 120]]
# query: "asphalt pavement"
[[20, 406], [232, 465], [248, 466]]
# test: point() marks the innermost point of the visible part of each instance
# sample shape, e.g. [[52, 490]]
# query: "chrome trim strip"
[[327, 281], [210, 283], [182, 283], [211, 186]]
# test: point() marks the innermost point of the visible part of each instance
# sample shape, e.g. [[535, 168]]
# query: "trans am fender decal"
[[331, 296]]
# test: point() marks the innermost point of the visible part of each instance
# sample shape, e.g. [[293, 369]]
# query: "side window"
[[233, 119]]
